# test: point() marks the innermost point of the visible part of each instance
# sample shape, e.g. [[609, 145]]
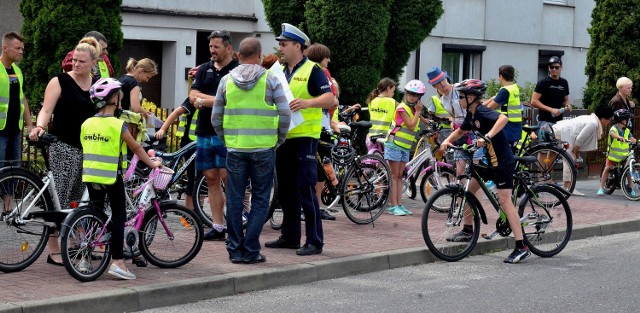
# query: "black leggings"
[[117, 202]]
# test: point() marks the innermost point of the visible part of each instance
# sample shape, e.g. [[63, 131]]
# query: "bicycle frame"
[[171, 160]]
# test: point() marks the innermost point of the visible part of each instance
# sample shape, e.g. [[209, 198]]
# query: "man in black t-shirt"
[[211, 153], [490, 123], [551, 96], [14, 108]]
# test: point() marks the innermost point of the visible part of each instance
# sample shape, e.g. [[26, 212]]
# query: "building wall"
[[10, 16]]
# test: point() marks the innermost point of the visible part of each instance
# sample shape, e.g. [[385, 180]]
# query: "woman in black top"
[[137, 72], [67, 96]]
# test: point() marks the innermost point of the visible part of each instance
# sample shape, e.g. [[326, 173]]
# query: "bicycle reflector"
[[73, 204]]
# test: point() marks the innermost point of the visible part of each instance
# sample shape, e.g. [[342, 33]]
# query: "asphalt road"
[[599, 274]]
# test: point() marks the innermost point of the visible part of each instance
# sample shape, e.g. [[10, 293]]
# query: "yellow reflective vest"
[[618, 150], [249, 121], [513, 110], [312, 124], [102, 148], [5, 94], [182, 124], [381, 112], [104, 70], [441, 111], [405, 137]]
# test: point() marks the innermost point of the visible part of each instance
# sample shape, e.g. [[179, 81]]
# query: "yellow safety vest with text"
[[513, 109], [405, 137], [104, 69], [441, 111], [249, 121], [381, 113], [5, 94], [618, 150], [102, 148], [312, 124], [182, 124]]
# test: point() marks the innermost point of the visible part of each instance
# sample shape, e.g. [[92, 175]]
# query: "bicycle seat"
[[361, 125], [43, 141], [380, 138], [529, 129], [173, 154], [344, 128]]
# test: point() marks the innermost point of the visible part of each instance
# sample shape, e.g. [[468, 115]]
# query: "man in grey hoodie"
[[251, 116]]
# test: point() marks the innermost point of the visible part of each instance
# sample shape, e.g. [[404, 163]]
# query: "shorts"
[[210, 153], [463, 155], [501, 175], [611, 163], [394, 153]]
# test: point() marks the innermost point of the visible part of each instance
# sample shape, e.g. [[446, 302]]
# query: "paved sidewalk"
[[395, 241]]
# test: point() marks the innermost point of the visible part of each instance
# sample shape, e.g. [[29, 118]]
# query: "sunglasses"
[[554, 67]]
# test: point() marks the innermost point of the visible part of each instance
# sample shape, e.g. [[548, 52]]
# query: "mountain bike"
[[546, 218], [625, 175], [169, 235]]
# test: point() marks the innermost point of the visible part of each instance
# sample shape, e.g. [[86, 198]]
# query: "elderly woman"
[[621, 99], [67, 97]]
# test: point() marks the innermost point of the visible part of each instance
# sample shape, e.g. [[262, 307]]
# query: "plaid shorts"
[[210, 153]]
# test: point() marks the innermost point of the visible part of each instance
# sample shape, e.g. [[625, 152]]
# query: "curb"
[[197, 289]]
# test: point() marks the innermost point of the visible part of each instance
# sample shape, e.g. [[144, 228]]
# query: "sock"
[[519, 244], [468, 229], [218, 227]]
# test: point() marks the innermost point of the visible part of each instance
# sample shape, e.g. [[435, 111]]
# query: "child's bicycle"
[[169, 235], [625, 176], [545, 214]]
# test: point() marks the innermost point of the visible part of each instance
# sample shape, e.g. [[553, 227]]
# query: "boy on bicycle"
[[619, 138], [490, 123], [103, 139]]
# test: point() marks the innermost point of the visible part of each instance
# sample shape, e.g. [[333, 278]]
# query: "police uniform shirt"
[[206, 80], [13, 113], [482, 121], [318, 81]]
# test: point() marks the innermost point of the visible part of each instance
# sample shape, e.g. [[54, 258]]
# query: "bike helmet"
[[621, 115], [546, 133], [415, 86], [102, 91], [472, 86], [554, 59]]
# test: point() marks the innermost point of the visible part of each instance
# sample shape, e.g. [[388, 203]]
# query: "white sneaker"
[[577, 193], [84, 266], [120, 273]]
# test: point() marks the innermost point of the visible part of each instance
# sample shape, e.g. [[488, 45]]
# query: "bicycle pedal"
[[140, 262], [489, 236]]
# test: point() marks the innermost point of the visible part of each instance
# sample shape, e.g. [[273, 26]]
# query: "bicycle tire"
[[17, 251], [609, 183], [82, 260], [365, 189], [549, 169], [549, 223], [201, 201], [439, 227], [630, 181], [429, 183], [164, 251]]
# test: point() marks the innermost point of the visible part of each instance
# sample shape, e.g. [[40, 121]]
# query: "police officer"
[[296, 158]]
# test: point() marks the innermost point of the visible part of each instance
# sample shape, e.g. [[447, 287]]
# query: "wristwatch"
[[487, 137], [200, 103]]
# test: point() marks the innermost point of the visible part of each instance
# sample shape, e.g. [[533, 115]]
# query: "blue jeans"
[[9, 151], [242, 167]]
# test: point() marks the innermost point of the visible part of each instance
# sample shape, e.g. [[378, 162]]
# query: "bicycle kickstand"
[[490, 236]]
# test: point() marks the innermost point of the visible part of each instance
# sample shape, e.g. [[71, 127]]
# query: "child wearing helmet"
[[619, 138], [103, 139], [404, 128], [486, 121]]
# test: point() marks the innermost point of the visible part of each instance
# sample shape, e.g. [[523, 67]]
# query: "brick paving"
[[42, 281]]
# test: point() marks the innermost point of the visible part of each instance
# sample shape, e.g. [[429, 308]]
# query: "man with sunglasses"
[[211, 153]]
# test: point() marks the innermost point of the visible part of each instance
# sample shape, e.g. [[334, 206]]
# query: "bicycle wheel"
[[551, 163], [84, 258], [442, 229], [431, 182], [178, 244], [610, 183], [201, 201], [365, 189], [23, 238], [630, 182], [546, 221]]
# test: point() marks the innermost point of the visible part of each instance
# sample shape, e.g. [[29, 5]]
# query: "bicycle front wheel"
[[176, 245], [630, 182], [365, 189], [553, 165], [432, 182], [546, 221], [83, 258], [23, 238], [442, 230]]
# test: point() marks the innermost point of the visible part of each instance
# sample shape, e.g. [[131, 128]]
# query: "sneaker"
[[600, 192], [397, 211], [632, 193], [577, 193], [215, 235], [120, 273], [461, 236], [405, 210], [518, 255], [391, 209], [84, 266], [325, 215]]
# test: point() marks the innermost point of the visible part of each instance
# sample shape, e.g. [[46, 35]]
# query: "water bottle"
[[562, 110], [331, 173], [492, 187]]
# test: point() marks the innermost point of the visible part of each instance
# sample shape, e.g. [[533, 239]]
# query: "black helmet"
[[555, 59], [472, 86], [622, 115]]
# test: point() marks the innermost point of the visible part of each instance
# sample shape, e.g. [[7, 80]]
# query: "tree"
[[613, 53], [368, 39], [53, 27]]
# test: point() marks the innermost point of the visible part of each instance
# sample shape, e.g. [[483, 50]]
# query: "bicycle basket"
[[162, 179]]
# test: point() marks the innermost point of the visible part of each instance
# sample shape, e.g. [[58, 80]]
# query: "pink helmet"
[[102, 91], [415, 86]]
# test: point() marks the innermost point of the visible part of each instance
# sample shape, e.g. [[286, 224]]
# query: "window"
[[462, 61]]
